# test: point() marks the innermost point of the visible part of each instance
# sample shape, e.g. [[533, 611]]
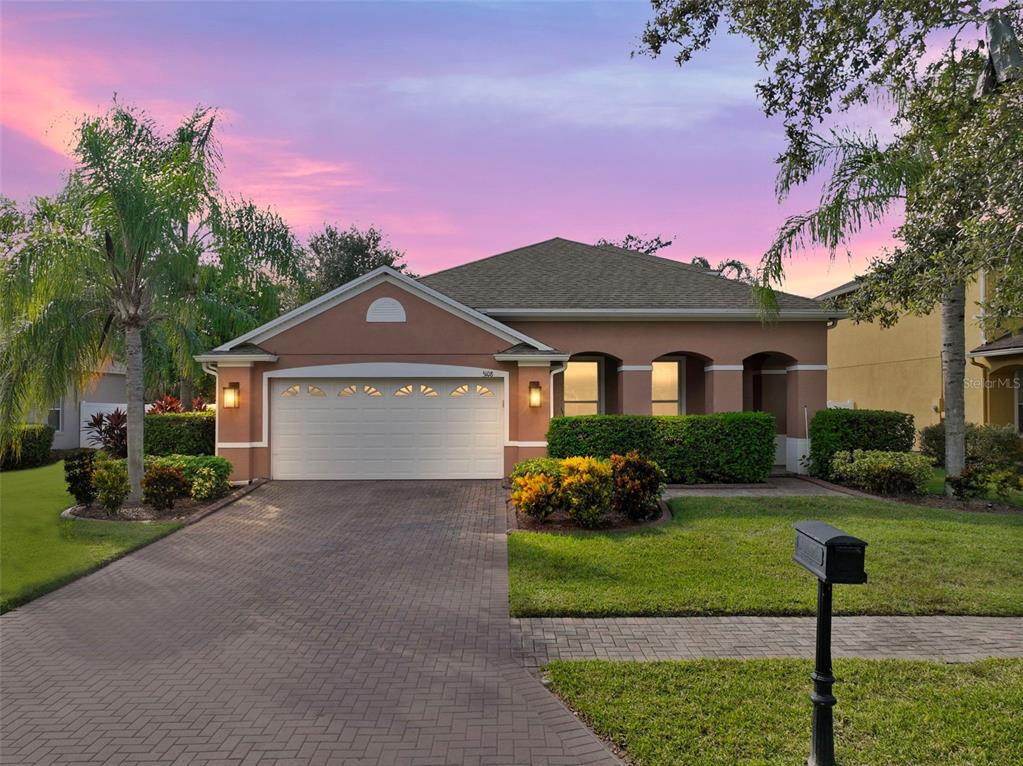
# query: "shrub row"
[[691, 449], [833, 431], [587, 488], [181, 433], [995, 447], [31, 446], [884, 473], [92, 475]]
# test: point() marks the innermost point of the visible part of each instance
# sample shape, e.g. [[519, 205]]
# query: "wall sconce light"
[[534, 393], [231, 396]]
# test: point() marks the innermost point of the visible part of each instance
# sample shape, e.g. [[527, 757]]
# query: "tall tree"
[[336, 257], [828, 55], [646, 245], [115, 263], [739, 270]]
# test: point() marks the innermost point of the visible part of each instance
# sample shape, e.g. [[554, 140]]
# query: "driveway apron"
[[310, 622]]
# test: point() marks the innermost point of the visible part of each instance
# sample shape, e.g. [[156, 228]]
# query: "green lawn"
[[734, 556], [756, 712], [40, 551], [936, 486]]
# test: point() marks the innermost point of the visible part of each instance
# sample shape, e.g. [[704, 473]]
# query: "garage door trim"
[[369, 370]]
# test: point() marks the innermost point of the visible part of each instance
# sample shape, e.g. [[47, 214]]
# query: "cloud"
[[637, 94]]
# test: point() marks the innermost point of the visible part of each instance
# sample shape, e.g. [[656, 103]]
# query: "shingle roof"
[[524, 349], [562, 274], [843, 289], [243, 349], [1006, 343]]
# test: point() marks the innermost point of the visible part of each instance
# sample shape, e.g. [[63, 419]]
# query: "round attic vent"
[[385, 310]]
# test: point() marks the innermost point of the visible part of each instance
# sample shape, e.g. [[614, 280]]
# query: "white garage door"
[[387, 429]]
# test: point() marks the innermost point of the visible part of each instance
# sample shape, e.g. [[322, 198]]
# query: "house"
[[69, 415], [899, 368], [457, 374]]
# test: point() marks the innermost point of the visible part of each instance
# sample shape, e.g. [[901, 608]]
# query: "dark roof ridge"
[[495, 255], [689, 267]]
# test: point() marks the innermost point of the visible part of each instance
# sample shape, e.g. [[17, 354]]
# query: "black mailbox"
[[830, 554]]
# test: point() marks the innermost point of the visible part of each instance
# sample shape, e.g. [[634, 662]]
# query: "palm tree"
[[115, 262], [867, 180]]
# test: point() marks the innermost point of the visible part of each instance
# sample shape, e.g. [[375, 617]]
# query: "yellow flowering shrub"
[[587, 489], [537, 495]]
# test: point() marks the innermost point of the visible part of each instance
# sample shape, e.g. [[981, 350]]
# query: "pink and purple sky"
[[459, 129]]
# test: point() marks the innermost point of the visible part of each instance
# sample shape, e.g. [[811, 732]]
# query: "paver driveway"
[[312, 622]]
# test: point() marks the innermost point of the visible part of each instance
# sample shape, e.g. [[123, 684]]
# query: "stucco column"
[[529, 424], [634, 388], [239, 428], [723, 389], [807, 392]]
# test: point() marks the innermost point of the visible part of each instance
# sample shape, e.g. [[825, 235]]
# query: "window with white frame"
[[55, 416], [582, 387], [667, 387]]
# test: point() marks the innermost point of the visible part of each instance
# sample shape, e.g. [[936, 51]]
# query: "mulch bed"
[[185, 510], [562, 522]]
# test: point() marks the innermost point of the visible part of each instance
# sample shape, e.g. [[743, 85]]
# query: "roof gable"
[[562, 274], [382, 275]]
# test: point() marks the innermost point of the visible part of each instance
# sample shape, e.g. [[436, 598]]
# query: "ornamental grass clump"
[[587, 487]]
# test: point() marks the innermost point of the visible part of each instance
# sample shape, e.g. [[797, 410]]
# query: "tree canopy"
[[141, 250], [338, 256]]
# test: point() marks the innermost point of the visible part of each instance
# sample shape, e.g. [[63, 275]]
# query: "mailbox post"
[[833, 557]]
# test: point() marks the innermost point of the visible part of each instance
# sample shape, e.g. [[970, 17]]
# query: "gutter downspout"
[[555, 371]]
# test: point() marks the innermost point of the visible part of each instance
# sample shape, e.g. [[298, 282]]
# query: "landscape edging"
[[237, 494]]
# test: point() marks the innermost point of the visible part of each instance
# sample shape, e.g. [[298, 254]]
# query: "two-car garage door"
[[386, 429]]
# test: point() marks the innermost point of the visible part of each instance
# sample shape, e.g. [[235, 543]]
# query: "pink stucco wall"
[[433, 335]]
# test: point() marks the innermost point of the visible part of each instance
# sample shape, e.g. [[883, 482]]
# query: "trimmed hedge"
[[189, 465], [724, 447], [34, 442], [834, 431], [180, 433], [885, 473]]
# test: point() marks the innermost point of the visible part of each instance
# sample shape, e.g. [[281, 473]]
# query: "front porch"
[[685, 382], [1001, 362]]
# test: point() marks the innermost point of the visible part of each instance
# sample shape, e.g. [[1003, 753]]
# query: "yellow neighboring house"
[[899, 368]]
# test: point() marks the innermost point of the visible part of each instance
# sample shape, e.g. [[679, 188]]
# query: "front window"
[[53, 417], [666, 388], [582, 388]]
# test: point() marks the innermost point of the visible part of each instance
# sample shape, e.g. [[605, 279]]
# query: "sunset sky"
[[459, 129]]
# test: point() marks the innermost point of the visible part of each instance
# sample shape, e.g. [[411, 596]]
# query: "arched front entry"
[[765, 389]]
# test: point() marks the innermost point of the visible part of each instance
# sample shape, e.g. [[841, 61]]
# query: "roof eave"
[[229, 357], [691, 315]]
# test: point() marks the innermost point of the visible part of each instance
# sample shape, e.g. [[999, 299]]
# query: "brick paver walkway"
[[950, 639], [318, 622], [776, 486]]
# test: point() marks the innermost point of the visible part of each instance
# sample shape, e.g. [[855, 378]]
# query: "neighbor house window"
[[54, 417], [666, 385], [582, 388]]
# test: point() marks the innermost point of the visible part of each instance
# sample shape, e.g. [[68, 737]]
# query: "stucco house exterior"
[[457, 374], [105, 392], [899, 368]]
